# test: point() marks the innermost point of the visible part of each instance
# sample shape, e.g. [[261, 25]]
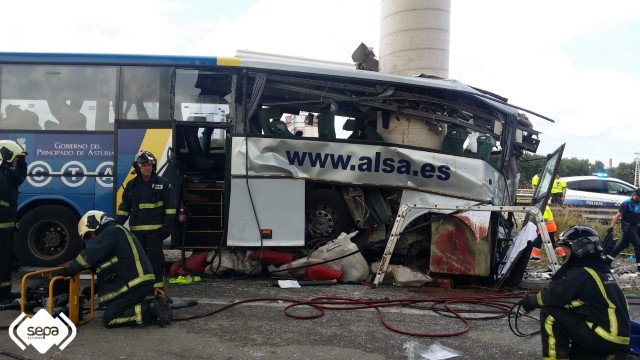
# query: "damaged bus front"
[[276, 172]]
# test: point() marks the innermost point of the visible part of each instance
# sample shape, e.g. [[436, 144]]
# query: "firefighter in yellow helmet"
[[13, 171], [124, 273], [149, 202]]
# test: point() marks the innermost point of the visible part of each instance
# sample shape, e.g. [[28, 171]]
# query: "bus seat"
[[454, 140], [271, 124], [326, 121], [17, 118]]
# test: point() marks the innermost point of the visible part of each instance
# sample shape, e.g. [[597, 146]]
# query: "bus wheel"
[[326, 217], [47, 236]]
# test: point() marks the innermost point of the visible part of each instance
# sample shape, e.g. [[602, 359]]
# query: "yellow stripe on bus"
[[228, 61], [155, 141]]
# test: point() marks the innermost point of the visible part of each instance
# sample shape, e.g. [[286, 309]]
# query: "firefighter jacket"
[[118, 260], [150, 206], [10, 180], [588, 287]]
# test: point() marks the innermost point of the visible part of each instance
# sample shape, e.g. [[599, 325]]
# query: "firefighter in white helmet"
[[125, 277], [13, 171]]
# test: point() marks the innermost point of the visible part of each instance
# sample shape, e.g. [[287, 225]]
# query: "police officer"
[[629, 216], [149, 202], [124, 274], [583, 312], [13, 171]]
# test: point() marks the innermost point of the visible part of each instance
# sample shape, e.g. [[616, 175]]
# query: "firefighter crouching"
[[583, 312], [124, 274], [149, 202]]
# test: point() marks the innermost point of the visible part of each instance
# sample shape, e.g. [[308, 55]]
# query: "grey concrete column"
[[414, 37]]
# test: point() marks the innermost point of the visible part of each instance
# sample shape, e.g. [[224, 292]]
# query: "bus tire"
[[47, 236], [326, 216]]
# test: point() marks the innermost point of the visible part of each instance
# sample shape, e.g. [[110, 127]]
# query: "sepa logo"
[[42, 331]]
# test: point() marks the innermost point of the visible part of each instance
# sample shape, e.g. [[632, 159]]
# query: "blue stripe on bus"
[[107, 59]]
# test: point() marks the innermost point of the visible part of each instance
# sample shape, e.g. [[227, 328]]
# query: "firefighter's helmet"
[[144, 157], [91, 221], [582, 240], [9, 150]]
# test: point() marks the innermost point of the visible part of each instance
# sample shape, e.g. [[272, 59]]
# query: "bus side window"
[[19, 119], [68, 115]]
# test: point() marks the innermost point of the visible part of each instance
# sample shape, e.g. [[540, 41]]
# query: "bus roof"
[[283, 64]]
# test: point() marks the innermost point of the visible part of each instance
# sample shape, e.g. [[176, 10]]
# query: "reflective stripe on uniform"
[[551, 340], [612, 335], [137, 317], [82, 261], [576, 303], [125, 288], [170, 211], [122, 212], [106, 264], [151, 205], [4, 203], [158, 285], [141, 276], [145, 227], [539, 298], [5, 284], [7, 225]]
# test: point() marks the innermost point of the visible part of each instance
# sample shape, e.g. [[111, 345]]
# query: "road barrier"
[[602, 214]]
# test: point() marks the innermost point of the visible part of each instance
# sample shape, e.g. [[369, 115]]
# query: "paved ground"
[[261, 330]]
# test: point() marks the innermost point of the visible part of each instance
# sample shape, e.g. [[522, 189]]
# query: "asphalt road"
[[261, 330]]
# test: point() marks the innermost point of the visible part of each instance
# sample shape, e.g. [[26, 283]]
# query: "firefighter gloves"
[[528, 303]]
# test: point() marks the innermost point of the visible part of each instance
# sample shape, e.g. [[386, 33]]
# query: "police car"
[[596, 191]]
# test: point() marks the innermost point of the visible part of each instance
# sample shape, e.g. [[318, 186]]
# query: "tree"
[[624, 171]]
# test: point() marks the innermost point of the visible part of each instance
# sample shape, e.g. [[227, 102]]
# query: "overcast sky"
[[576, 61]]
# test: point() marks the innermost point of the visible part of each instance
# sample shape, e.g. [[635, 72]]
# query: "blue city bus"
[[265, 152]]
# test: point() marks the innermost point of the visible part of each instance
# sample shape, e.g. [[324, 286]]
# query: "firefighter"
[[551, 226], [583, 312], [124, 273], [149, 202], [13, 171]]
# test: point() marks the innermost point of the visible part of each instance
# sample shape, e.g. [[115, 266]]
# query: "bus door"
[[143, 121]]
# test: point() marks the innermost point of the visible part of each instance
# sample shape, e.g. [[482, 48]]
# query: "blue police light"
[[601, 174]]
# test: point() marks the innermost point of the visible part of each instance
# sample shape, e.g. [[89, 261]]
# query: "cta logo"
[[42, 331]]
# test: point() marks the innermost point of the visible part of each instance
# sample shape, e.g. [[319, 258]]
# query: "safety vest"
[[558, 185], [548, 220]]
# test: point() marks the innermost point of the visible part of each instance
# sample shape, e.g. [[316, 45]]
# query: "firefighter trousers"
[[152, 244], [130, 309], [6, 262], [566, 335]]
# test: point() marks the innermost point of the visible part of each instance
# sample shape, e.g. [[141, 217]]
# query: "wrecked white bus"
[[272, 153]]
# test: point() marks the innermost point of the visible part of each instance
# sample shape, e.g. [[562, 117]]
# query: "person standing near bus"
[[629, 216], [149, 202], [558, 190], [551, 226], [536, 179], [13, 171]]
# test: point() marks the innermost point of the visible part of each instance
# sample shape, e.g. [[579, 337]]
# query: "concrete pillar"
[[414, 37]]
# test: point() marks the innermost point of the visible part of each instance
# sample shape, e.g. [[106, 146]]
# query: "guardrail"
[[602, 214]]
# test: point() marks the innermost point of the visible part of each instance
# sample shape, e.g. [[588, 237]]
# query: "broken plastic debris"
[[416, 351]]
